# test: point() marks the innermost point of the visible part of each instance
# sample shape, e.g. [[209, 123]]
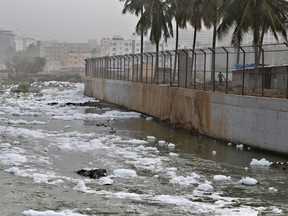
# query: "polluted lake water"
[[150, 169]]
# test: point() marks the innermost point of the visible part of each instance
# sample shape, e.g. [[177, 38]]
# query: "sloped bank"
[[258, 122]]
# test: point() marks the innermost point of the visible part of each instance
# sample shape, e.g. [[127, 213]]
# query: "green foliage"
[[23, 87], [25, 61]]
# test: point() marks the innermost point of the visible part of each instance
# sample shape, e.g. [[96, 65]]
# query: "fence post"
[[262, 70], [243, 77], [124, 61], [100, 71], [213, 70], [205, 59], [109, 68], [141, 67], [152, 74], [164, 64], [112, 67], [157, 68], [186, 66], [170, 67], [137, 67], [227, 65], [129, 60], [194, 66], [132, 72], [106, 67], [94, 67], [146, 71], [177, 56], [286, 77]]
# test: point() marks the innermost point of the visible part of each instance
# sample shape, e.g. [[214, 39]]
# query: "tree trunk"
[[238, 55], [194, 38], [142, 47], [260, 47], [176, 49], [213, 55], [258, 53], [194, 46], [157, 62]]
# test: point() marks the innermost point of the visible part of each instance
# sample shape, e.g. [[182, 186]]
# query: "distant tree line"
[[26, 61]]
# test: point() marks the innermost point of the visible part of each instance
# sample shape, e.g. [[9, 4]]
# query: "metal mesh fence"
[[246, 70]]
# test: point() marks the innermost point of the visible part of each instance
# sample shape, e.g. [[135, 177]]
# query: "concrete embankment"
[[259, 122]]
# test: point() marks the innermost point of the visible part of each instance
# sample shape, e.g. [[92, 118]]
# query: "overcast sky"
[[66, 20]]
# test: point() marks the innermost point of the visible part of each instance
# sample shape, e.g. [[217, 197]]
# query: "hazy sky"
[[66, 20]]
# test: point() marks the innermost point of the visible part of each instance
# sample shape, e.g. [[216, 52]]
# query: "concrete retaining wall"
[[259, 122]]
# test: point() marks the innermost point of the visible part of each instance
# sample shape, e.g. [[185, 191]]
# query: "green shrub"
[[23, 87]]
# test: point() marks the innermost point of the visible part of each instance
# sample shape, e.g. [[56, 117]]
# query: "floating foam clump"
[[124, 173], [222, 178], [171, 146], [262, 162], [248, 181], [205, 187], [106, 181], [161, 142], [151, 138], [240, 146]]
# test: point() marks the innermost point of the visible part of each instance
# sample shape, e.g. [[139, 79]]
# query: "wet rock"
[[93, 173], [112, 130], [279, 165], [53, 103]]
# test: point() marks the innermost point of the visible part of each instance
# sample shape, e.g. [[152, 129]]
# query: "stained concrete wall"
[[259, 122]]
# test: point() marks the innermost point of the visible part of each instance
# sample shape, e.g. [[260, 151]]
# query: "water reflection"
[[200, 146]]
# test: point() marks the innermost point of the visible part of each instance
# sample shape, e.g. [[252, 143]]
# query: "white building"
[[120, 46], [22, 42], [7, 41]]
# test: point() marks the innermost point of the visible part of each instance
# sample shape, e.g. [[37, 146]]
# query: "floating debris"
[[92, 173]]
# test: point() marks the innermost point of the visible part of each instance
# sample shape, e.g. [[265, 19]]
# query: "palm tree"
[[211, 19], [259, 17], [231, 17], [135, 7], [195, 17], [178, 10], [156, 19]]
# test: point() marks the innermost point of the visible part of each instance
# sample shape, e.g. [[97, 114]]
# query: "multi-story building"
[[56, 53], [7, 41], [120, 46], [75, 61], [22, 42], [103, 48]]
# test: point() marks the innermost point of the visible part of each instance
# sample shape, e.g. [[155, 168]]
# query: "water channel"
[[152, 169]]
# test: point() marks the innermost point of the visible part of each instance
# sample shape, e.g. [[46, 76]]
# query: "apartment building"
[[58, 55], [56, 51], [120, 46], [75, 61], [7, 41]]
